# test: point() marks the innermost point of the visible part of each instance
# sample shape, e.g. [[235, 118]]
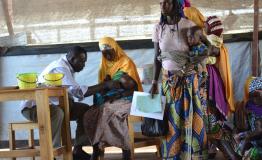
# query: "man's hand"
[[154, 89]]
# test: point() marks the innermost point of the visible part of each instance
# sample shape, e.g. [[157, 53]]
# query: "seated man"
[[74, 61], [250, 136]]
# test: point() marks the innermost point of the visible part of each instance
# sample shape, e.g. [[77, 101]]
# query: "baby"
[[198, 49], [125, 89]]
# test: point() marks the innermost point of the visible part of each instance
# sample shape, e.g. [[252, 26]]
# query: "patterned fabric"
[[254, 115], [186, 104], [199, 50], [101, 98], [222, 62], [252, 118], [214, 26], [214, 121], [255, 152], [255, 84], [252, 84]]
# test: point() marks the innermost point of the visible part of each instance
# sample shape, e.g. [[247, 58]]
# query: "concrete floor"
[[113, 153]]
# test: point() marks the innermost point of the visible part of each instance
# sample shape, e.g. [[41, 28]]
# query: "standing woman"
[[220, 88], [186, 100]]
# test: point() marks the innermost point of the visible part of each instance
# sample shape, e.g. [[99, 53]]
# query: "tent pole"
[[7, 8], [255, 47]]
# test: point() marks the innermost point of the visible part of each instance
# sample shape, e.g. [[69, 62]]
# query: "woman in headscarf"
[[186, 98], [220, 88], [213, 28], [106, 125], [250, 136]]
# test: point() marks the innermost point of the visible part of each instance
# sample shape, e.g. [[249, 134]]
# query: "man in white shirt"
[[74, 61]]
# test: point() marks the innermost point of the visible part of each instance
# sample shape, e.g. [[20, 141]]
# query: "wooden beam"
[[255, 46], [8, 9], [19, 153], [125, 44]]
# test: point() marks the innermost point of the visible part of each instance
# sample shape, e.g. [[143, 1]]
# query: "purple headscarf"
[[255, 109]]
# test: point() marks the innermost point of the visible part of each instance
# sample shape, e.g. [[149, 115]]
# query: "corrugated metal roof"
[[60, 21]]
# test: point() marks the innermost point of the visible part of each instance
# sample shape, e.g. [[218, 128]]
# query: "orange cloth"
[[223, 66], [246, 88], [194, 15], [122, 62], [222, 62]]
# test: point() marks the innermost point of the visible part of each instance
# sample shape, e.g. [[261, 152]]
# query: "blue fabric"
[[199, 49], [256, 84], [100, 99]]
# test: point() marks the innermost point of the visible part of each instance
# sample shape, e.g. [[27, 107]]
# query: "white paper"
[[136, 112]]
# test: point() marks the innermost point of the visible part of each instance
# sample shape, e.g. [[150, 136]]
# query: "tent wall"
[[240, 60]]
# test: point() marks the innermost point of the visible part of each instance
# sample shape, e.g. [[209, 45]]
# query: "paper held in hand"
[[145, 106]]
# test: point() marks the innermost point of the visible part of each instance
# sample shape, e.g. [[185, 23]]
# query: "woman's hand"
[[108, 85], [108, 78], [196, 59], [244, 146], [213, 51], [237, 138], [154, 89]]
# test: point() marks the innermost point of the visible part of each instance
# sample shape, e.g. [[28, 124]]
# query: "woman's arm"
[[255, 135], [157, 69], [128, 84], [212, 50]]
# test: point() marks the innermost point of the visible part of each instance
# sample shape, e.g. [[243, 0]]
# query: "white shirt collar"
[[68, 64]]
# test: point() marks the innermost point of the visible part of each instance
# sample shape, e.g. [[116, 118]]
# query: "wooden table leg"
[[44, 122], [66, 131]]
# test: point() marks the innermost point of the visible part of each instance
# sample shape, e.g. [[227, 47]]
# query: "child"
[[198, 49], [124, 90]]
